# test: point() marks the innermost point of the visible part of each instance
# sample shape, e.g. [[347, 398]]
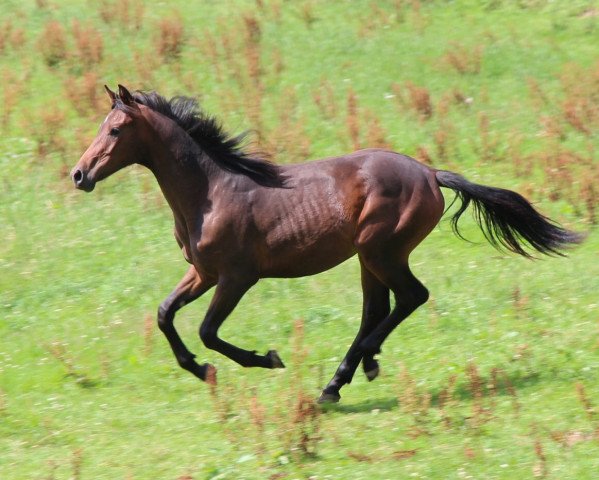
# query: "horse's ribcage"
[[303, 215]]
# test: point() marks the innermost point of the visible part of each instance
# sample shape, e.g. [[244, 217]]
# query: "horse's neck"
[[176, 162]]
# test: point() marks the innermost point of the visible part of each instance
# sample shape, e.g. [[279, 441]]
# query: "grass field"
[[496, 377]]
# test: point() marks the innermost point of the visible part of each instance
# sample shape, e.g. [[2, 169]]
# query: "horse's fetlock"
[[187, 362]]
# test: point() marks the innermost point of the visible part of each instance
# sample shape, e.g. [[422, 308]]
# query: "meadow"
[[496, 377]]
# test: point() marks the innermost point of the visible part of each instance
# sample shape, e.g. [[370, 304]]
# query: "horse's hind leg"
[[375, 309], [189, 288], [409, 295]]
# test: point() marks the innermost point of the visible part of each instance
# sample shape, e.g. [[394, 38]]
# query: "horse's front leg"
[[189, 288], [227, 296]]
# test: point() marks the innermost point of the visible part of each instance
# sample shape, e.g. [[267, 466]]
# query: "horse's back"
[[336, 206]]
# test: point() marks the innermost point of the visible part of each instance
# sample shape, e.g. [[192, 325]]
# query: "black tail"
[[507, 219]]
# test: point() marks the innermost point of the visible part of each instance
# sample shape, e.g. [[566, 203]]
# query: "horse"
[[239, 218]]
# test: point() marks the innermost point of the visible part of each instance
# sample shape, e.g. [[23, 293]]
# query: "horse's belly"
[[293, 260]]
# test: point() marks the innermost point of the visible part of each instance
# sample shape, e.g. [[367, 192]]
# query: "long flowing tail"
[[507, 219]]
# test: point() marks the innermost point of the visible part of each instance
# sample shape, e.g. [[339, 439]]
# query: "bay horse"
[[239, 218]]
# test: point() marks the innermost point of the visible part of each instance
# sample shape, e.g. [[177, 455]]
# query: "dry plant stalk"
[[420, 101], [2, 401], [59, 352], [307, 424], [360, 457], [289, 139], [590, 197], [253, 37], [47, 133], [446, 400], [129, 13], [423, 155], [146, 62], [52, 43], [412, 401], [537, 95], [148, 334], [76, 463], [5, 29], [324, 98], [488, 142], [441, 138], [476, 385], [353, 124], [519, 301], [88, 44], [10, 95], [257, 416], [298, 350], [498, 374], [463, 59], [376, 134], [252, 82], [307, 13], [540, 468], [82, 92], [170, 37], [589, 409]]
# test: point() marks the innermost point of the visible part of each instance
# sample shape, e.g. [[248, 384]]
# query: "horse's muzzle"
[[82, 181]]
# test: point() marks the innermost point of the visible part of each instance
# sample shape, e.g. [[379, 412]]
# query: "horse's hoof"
[[209, 374], [329, 398], [275, 360], [372, 374]]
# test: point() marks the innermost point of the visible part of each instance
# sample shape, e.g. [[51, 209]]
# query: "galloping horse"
[[239, 218]]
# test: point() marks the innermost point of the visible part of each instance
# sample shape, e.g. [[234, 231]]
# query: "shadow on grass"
[[385, 405], [463, 392], [513, 381]]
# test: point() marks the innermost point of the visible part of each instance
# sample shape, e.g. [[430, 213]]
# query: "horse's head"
[[115, 146]]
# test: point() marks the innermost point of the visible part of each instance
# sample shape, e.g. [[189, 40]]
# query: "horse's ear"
[[125, 96], [111, 94]]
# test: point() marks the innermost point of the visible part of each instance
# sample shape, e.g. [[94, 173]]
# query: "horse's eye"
[[114, 131]]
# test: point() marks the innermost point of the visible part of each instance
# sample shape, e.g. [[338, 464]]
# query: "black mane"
[[225, 150]]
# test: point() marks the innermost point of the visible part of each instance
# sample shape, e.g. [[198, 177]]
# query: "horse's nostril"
[[78, 177]]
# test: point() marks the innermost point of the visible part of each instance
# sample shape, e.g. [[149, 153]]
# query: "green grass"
[[87, 391]]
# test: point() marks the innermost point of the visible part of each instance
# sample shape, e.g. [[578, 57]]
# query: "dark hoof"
[[209, 374], [275, 360], [372, 374], [371, 368], [329, 398]]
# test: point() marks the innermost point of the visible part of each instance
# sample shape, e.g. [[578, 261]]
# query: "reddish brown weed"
[[540, 467], [52, 43], [420, 101], [169, 38], [464, 59], [353, 125], [584, 400], [88, 44]]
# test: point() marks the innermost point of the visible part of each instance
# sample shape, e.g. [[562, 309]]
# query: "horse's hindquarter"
[[403, 204]]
